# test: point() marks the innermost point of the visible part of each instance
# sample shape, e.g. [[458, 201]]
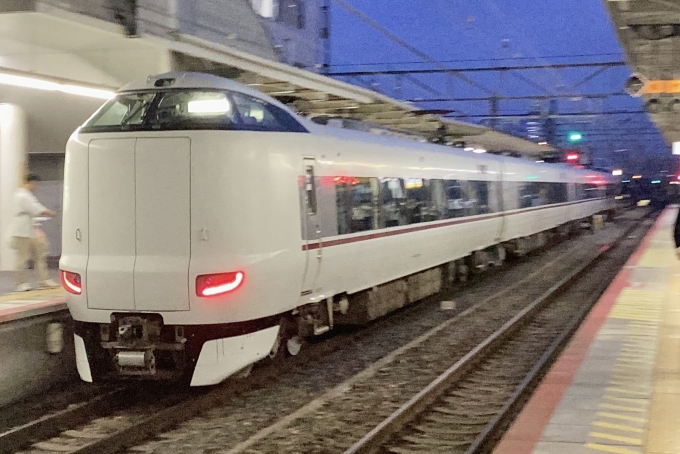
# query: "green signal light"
[[575, 136]]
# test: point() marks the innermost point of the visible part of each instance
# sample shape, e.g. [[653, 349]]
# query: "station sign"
[[638, 85]]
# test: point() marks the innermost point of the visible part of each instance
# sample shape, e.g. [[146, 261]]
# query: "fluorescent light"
[[40, 84], [84, 91], [479, 150], [540, 160], [209, 106], [617, 172], [676, 147], [469, 148], [543, 143], [27, 82]]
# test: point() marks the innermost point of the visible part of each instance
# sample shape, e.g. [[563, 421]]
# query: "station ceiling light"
[[42, 84]]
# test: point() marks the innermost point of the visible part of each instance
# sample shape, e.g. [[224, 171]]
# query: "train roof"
[[181, 79]]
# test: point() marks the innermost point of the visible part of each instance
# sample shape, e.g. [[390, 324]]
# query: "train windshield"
[[189, 109]]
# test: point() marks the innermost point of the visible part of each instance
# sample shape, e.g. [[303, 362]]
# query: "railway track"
[[124, 420], [464, 410]]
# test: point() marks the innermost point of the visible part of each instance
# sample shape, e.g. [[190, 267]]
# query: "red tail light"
[[71, 282], [218, 284]]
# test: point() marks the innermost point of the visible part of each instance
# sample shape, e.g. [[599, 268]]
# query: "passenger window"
[[558, 192], [310, 190], [526, 195], [417, 200], [458, 204], [480, 194], [590, 191], [357, 204], [392, 202]]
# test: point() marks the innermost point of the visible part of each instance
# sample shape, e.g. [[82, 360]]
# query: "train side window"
[[590, 191], [417, 199], [526, 195], [557, 192], [457, 200], [310, 190], [258, 115], [357, 204], [392, 202], [480, 189]]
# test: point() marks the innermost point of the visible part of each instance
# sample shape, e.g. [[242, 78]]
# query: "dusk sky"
[[484, 33]]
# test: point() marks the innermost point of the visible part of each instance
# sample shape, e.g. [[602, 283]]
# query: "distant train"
[[656, 191], [207, 226]]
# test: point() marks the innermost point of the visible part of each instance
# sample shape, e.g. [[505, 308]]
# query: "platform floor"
[[15, 306], [616, 387]]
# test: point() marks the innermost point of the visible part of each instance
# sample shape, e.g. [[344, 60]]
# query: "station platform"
[[16, 306], [616, 387]]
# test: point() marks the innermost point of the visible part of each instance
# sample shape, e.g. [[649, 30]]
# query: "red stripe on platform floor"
[[527, 429]]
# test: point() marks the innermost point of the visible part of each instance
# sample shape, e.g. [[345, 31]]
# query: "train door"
[[311, 231]]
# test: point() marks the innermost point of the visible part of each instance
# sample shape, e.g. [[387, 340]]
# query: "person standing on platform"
[[23, 234], [676, 235]]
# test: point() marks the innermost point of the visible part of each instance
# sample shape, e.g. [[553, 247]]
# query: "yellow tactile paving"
[[38, 295], [642, 317], [620, 427], [614, 449], [616, 416], [657, 256], [14, 306], [622, 408], [664, 428]]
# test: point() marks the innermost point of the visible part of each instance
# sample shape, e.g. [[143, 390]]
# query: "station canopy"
[[93, 51], [649, 31], [316, 95]]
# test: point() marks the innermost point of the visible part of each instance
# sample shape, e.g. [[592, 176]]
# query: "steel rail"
[[55, 423], [373, 440]]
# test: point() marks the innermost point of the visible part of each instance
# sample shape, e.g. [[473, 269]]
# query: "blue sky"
[[483, 33]]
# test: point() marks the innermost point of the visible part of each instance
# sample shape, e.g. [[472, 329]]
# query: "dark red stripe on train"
[[386, 233]]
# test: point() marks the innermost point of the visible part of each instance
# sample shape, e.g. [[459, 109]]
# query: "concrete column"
[[13, 144]]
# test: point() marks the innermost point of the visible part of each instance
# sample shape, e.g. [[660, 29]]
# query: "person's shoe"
[[23, 287], [49, 283]]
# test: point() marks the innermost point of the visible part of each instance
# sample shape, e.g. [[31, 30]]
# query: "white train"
[[206, 225]]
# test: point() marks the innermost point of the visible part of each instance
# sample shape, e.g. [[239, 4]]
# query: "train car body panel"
[[111, 224], [162, 223], [194, 246]]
